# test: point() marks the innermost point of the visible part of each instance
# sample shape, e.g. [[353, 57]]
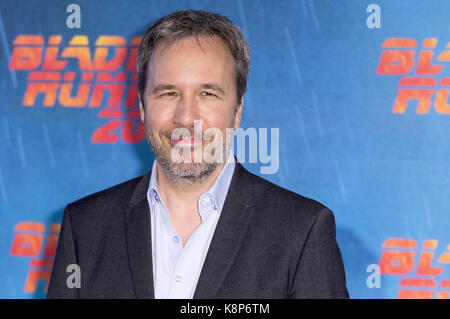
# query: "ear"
[[141, 109], [238, 117]]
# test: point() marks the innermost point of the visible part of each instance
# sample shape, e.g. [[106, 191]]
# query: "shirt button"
[[178, 278], [175, 239]]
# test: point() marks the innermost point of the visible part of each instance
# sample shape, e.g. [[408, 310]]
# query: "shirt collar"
[[218, 191]]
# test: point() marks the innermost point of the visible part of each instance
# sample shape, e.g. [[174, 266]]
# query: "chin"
[[187, 172]]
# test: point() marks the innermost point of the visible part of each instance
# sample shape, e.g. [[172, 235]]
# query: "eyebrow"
[[211, 86], [214, 87], [162, 87]]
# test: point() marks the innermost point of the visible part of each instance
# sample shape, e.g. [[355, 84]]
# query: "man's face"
[[188, 82]]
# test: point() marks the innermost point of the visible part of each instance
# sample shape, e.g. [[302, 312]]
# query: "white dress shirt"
[[176, 269]]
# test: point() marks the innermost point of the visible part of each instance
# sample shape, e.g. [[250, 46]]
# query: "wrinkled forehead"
[[179, 43], [219, 46]]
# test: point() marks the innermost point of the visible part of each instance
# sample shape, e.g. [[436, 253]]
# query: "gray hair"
[[187, 23]]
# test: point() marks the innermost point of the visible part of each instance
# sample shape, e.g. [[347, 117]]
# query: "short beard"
[[181, 173]]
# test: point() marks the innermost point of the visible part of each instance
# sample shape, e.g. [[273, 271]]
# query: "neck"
[[181, 193]]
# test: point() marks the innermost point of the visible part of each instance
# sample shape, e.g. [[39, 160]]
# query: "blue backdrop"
[[362, 116]]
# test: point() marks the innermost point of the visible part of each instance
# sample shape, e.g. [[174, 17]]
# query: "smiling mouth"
[[181, 141]]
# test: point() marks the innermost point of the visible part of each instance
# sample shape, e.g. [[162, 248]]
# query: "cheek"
[[157, 118], [220, 120], [218, 123]]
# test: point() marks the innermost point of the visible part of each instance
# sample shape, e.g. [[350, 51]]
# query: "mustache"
[[168, 133]]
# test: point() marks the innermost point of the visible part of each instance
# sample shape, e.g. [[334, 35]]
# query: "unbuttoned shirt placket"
[[178, 281]]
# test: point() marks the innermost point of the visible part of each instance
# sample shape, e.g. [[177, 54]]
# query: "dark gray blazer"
[[268, 243]]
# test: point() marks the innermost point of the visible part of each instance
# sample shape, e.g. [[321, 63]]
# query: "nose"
[[186, 112]]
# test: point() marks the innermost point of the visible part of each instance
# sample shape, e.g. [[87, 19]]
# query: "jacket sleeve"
[[320, 269], [65, 256]]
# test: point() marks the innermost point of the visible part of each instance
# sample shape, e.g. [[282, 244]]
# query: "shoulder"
[[286, 208], [103, 202], [267, 191]]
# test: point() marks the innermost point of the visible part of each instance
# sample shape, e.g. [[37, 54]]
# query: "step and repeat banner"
[[356, 91]]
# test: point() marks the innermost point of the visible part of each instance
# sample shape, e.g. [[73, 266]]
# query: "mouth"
[[189, 141]]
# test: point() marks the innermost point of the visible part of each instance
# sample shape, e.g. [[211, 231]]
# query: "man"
[[196, 228]]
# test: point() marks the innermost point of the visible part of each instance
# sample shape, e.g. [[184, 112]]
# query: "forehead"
[[205, 56]]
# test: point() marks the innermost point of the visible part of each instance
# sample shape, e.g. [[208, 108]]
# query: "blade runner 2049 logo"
[[111, 71], [423, 81]]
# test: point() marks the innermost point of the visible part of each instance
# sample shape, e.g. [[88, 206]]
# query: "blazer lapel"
[[139, 240], [228, 235]]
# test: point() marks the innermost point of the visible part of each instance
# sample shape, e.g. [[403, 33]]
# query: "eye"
[[169, 94], [204, 93]]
